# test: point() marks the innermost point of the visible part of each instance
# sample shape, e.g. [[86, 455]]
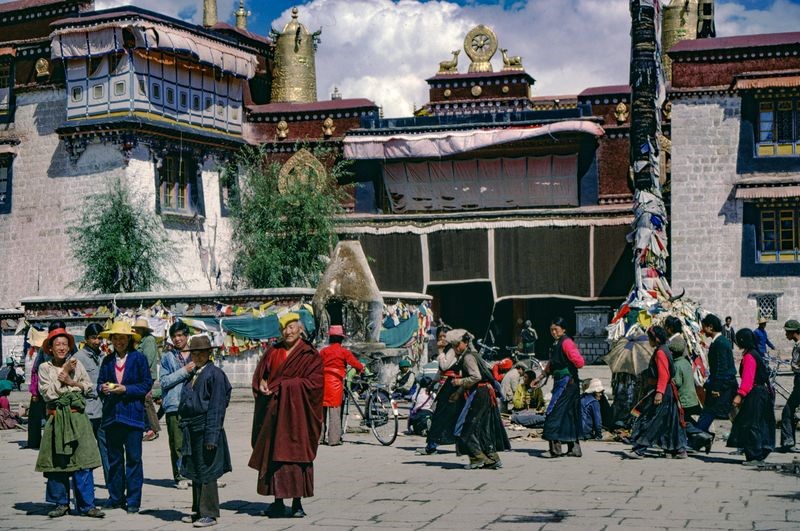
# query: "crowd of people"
[[100, 407]]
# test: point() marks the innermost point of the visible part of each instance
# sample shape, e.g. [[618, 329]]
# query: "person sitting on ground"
[[591, 419], [419, 417], [500, 368], [8, 420], [509, 385], [404, 382], [528, 403]]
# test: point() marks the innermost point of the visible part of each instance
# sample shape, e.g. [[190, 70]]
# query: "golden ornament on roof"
[[327, 127], [294, 73], [449, 67], [621, 113], [480, 45], [511, 63], [282, 130]]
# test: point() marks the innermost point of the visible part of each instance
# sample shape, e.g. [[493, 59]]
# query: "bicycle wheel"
[[382, 417]]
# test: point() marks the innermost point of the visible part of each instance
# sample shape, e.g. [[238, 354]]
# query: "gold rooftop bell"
[[294, 76]]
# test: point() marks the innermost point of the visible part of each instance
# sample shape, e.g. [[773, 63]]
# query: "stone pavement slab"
[[362, 485]]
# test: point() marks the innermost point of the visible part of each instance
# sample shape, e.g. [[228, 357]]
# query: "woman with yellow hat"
[[123, 382], [68, 451]]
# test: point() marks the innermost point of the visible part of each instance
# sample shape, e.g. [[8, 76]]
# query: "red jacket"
[[335, 359]]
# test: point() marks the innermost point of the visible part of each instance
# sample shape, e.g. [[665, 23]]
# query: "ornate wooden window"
[[779, 234], [778, 132], [177, 179]]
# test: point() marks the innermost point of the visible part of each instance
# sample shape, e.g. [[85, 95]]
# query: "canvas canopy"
[[69, 43]]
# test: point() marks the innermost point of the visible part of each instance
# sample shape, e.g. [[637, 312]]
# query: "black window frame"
[[7, 161], [8, 116]]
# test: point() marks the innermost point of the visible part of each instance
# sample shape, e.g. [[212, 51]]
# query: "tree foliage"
[[283, 234], [120, 245]]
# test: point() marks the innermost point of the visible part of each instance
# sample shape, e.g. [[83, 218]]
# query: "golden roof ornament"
[[42, 67], [303, 168], [327, 127], [449, 67], [621, 113], [513, 63], [294, 72], [679, 24], [241, 16], [480, 45], [209, 13]]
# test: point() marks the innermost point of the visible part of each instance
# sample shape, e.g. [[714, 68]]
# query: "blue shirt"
[[762, 341], [591, 420]]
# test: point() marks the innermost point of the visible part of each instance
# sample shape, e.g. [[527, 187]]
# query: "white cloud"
[[385, 49]]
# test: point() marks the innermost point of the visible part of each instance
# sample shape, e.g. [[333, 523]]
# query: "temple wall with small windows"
[[87, 97], [736, 193]]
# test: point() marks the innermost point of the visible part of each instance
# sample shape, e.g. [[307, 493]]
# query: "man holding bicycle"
[[788, 422]]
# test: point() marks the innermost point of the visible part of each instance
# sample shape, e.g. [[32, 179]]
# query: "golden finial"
[[621, 113], [294, 71], [209, 13], [241, 16]]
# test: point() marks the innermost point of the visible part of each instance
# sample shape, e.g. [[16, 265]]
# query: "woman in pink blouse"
[[754, 426]]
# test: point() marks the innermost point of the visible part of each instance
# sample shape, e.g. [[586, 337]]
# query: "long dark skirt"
[[483, 431], [563, 422], [444, 416], [202, 465], [659, 425], [754, 426]]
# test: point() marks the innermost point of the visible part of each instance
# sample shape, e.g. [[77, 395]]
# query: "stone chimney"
[[209, 13]]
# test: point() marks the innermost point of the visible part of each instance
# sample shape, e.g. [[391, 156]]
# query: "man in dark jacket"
[[287, 420], [721, 385], [206, 457]]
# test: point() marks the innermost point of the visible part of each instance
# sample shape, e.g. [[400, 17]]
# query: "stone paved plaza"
[[362, 485]]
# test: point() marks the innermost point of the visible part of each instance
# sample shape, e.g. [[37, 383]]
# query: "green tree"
[[283, 232], [120, 245]]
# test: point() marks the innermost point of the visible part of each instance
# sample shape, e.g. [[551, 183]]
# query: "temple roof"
[[19, 5], [606, 89], [225, 28], [481, 75], [328, 105], [739, 41]]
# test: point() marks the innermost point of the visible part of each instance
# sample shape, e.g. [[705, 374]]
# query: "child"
[[422, 408], [528, 403]]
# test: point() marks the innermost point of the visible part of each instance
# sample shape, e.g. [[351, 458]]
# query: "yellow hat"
[[120, 328], [287, 318]]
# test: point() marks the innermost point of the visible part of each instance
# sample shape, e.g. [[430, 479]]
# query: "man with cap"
[[91, 357], [206, 457], [788, 420], [335, 359], [176, 369], [591, 418], [403, 385], [762, 339], [287, 421], [149, 348]]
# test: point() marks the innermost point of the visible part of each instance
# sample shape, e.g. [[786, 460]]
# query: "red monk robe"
[[288, 422], [336, 358]]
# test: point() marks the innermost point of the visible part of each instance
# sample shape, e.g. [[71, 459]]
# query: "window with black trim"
[[6, 86], [156, 91], [778, 233], [183, 100], [178, 183], [170, 95], [778, 130], [195, 103], [5, 183], [77, 94]]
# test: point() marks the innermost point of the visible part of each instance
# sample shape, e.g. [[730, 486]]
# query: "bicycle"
[[529, 358], [379, 413], [774, 364]]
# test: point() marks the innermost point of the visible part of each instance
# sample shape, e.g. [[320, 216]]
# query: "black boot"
[[555, 449], [297, 509], [574, 449]]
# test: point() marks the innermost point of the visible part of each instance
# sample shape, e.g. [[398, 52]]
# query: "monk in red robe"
[[287, 421]]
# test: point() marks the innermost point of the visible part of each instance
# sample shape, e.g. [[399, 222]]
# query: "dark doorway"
[[466, 305]]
